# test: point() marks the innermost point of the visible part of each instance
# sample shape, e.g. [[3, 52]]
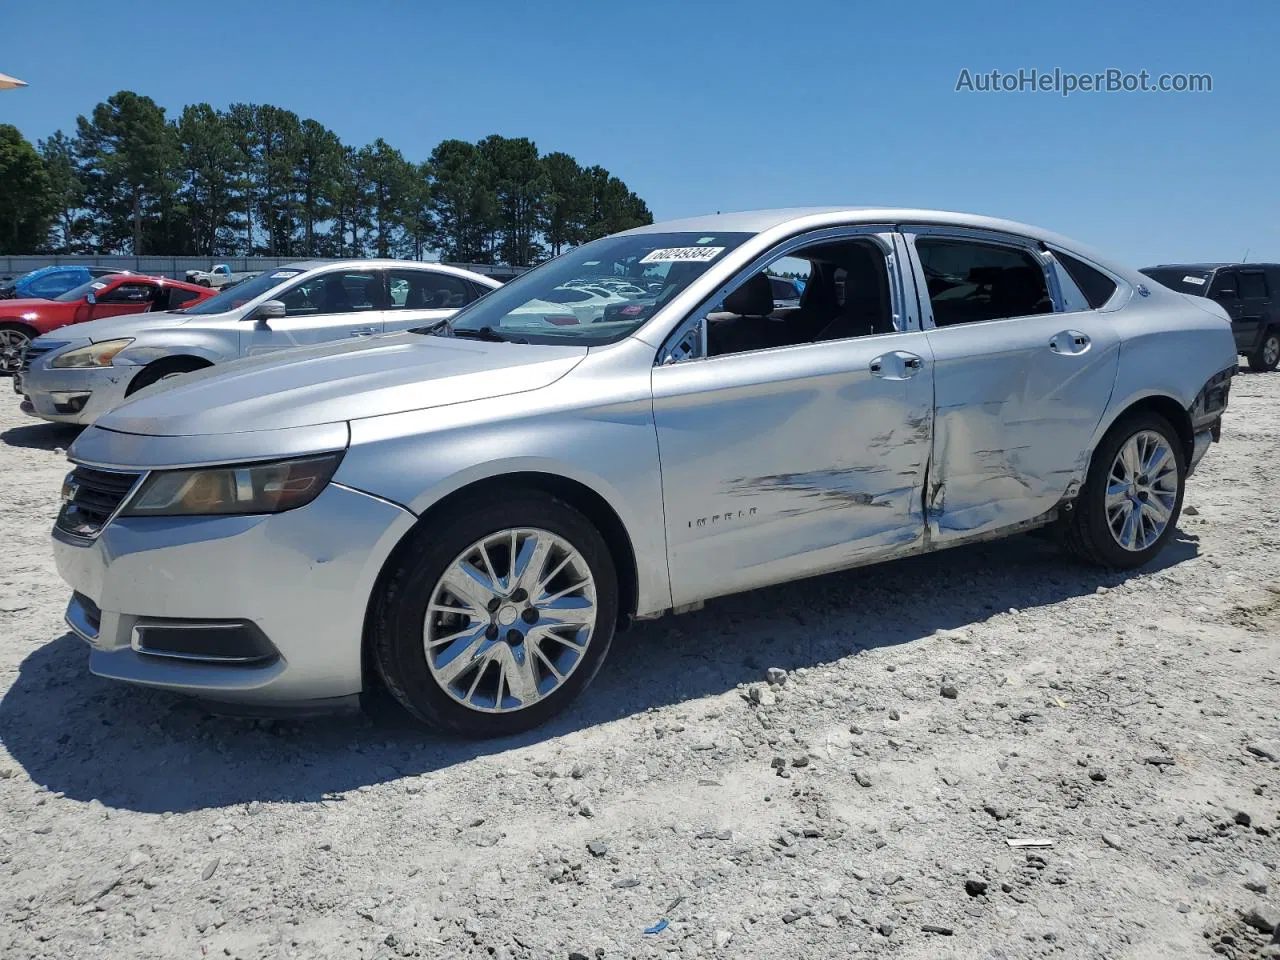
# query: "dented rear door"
[[1017, 400]]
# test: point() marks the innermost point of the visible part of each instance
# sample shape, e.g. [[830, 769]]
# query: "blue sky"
[[702, 106]]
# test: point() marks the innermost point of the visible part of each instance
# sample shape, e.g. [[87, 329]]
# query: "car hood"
[[20, 305], [336, 382], [127, 325]]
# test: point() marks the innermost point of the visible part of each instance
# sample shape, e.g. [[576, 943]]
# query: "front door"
[[1225, 291], [338, 305], [129, 296], [423, 297], [795, 445], [1020, 386]]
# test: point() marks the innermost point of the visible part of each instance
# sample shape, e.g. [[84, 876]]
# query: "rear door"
[[421, 297], [1020, 383], [335, 305], [1255, 304]]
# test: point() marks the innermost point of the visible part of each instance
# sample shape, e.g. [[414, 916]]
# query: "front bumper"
[[74, 394], [301, 580]]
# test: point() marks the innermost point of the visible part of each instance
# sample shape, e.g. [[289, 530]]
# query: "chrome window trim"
[[1037, 250], [880, 234]]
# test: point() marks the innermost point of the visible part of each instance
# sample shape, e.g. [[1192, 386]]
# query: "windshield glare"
[[597, 293], [242, 293], [80, 292]]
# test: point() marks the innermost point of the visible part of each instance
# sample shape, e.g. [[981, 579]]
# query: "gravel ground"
[[921, 714]]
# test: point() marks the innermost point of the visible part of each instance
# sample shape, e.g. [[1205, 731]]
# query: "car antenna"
[[1245, 258]]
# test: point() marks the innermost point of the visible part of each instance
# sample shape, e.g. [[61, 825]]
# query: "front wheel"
[[14, 338], [495, 619], [1132, 495], [1267, 354]]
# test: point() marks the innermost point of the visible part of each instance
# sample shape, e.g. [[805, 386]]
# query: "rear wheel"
[[496, 618], [14, 338], [1267, 354], [1133, 494], [164, 370]]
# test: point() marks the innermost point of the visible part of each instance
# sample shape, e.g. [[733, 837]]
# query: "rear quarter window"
[[1182, 279], [1096, 286]]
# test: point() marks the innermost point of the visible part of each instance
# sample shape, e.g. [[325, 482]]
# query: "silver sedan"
[[77, 373], [465, 514]]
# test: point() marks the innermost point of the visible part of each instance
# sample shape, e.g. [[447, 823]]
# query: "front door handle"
[[1069, 342], [363, 332], [898, 365]]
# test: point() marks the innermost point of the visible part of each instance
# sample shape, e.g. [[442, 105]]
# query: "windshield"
[[597, 293], [242, 293], [80, 292], [1183, 279]]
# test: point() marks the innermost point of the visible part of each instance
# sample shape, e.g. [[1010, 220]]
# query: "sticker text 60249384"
[[682, 255]]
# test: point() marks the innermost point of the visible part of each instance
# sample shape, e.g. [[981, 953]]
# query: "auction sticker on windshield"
[[682, 255]]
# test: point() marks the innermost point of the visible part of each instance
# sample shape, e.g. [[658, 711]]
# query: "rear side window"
[[178, 296], [1096, 286], [971, 281], [1225, 286], [1253, 285]]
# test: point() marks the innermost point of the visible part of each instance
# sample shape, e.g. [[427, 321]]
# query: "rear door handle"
[[1069, 342], [363, 332]]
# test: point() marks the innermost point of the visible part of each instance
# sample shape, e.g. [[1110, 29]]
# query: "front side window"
[[427, 290], [128, 293], [549, 305], [232, 298], [1253, 285], [340, 291], [972, 281], [846, 294]]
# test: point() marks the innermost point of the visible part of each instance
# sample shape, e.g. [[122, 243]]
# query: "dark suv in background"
[[1249, 292]]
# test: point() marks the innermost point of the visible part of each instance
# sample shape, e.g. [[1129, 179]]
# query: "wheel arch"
[[27, 326], [186, 362], [1170, 408], [590, 503]]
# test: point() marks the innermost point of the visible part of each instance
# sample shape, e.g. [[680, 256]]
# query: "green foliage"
[[257, 179]]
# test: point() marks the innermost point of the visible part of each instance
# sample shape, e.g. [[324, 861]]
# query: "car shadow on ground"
[[41, 436], [152, 752]]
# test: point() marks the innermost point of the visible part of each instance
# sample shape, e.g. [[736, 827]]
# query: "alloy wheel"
[[1271, 350], [510, 620], [12, 345], [1142, 489]]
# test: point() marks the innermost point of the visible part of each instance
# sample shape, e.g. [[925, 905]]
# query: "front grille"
[[90, 497], [32, 351]]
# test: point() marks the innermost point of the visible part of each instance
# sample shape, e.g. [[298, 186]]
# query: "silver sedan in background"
[[77, 373], [465, 514]]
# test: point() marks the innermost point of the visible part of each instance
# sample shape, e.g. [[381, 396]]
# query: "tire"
[[14, 338], [1267, 355], [1089, 528], [400, 626], [163, 370]]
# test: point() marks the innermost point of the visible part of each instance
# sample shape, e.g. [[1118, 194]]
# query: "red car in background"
[[23, 320]]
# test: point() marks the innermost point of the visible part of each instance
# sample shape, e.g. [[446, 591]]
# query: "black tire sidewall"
[[156, 371], [400, 611], [1111, 552], [1257, 359]]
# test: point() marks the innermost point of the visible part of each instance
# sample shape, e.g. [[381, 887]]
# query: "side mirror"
[[90, 298], [270, 310]]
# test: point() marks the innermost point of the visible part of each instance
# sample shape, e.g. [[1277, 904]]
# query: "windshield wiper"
[[487, 334]]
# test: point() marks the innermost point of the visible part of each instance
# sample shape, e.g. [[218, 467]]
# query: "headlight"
[[243, 488], [94, 355]]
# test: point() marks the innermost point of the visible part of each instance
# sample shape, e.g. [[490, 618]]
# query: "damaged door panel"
[[1017, 398]]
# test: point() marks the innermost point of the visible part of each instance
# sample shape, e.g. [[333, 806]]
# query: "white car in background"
[[570, 304], [78, 373]]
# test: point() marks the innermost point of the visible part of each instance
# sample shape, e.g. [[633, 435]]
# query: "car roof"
[[789, 220], [377, 263], [1208, 266], [161, 281]]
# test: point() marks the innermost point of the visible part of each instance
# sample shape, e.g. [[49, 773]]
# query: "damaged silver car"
[[467, 512]]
